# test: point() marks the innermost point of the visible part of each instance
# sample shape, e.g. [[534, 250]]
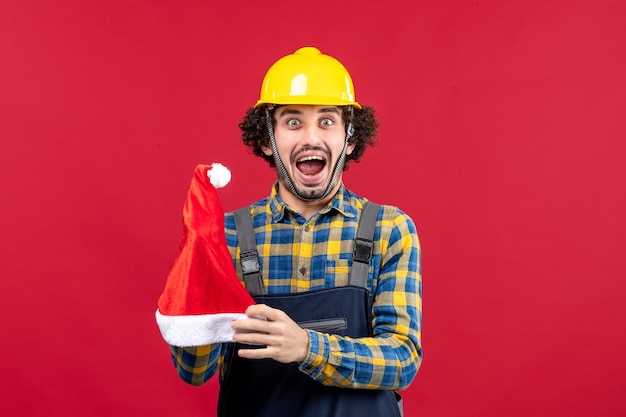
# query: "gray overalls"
[[272, 389]]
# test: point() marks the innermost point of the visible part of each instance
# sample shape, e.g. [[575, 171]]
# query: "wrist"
[[306, 343]]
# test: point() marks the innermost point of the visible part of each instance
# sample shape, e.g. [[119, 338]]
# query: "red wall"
[[502, 136]]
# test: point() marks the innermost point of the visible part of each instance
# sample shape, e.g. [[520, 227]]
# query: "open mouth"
[[310, 165]]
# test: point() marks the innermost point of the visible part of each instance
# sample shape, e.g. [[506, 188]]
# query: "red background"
[[502, 136]]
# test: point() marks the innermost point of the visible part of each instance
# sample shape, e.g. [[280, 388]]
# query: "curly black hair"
[[255, 135]]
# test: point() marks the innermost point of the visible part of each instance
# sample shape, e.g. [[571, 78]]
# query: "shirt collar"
[[340, 203]]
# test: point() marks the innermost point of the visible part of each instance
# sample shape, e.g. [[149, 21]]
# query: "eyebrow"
[[320, 111], [329, 110]]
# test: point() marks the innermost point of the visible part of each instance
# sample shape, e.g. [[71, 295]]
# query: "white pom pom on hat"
[[219, 175]]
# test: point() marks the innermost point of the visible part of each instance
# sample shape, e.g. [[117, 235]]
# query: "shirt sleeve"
[[391, 357], [196, 365]]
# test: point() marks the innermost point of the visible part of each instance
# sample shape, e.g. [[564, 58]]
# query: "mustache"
[[304, 149]]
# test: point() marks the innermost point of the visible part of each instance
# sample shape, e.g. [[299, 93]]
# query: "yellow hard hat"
[[308, 77]]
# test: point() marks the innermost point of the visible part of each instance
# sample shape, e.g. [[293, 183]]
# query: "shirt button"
[[306, 228], [302, 270]]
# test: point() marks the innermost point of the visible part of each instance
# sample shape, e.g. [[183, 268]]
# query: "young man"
[[317, 342]]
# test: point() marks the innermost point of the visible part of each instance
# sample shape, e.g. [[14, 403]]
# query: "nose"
[[311, 135]]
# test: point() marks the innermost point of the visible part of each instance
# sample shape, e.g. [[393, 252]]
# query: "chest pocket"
[[336, 273]]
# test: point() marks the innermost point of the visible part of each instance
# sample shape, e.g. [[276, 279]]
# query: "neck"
[[305, 208]]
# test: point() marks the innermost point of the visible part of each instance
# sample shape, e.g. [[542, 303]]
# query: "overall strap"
[[364, 245], [249, 257]]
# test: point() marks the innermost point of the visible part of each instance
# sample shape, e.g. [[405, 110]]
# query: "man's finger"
[[263, 310], [258, 339]]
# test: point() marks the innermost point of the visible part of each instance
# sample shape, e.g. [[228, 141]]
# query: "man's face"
[[309, 141]]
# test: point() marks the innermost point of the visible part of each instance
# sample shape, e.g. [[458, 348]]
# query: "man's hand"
[[284, 340]]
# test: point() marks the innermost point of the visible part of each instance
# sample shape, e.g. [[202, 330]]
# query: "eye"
[[327, 122], [293, 122]]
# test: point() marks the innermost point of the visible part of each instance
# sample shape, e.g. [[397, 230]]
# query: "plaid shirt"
[[299, 255]]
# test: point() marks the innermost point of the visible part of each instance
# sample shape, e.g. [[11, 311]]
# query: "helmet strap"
[[279, 163]]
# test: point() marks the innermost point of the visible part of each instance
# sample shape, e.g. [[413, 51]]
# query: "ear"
[[349, 137], [266, 148]]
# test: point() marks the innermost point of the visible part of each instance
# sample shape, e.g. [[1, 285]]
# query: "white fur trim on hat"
[[200, 330], [219, 175]]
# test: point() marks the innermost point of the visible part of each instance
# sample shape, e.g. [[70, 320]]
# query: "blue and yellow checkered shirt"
[[299, 254]]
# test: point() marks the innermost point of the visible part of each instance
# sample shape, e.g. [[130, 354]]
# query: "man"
[[298, 354]]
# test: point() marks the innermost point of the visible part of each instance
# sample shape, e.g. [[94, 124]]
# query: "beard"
[[309, 193]]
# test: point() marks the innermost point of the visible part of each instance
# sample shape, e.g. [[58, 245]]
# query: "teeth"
[[311, 158]]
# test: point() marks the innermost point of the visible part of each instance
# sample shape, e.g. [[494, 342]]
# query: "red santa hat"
[[202, 294]]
